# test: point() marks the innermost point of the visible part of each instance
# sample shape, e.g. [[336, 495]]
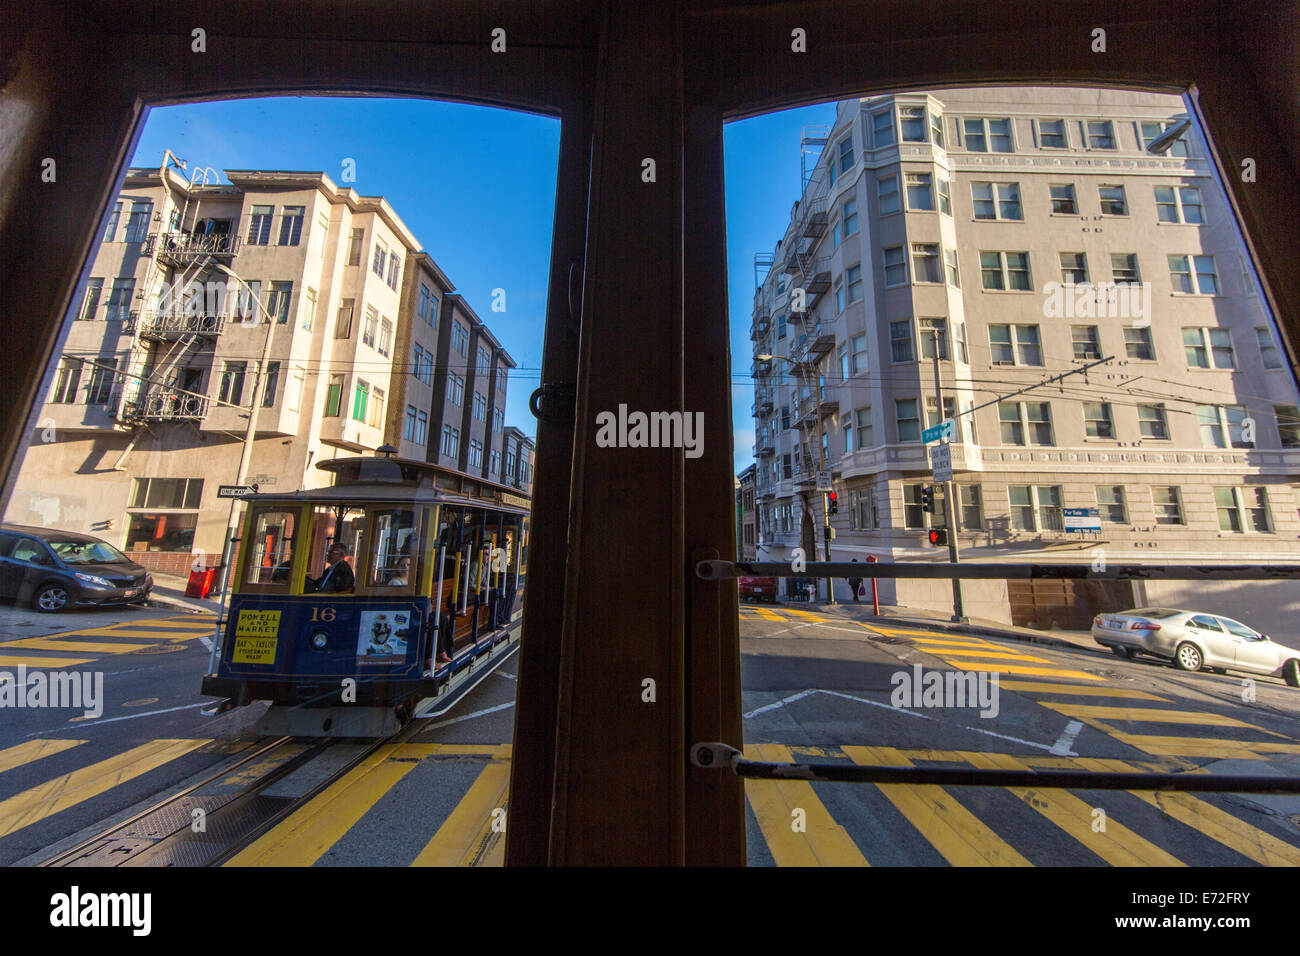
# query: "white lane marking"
[[477, 713], [84, 724], [506, 676], [876, 703], [1065, 743], [780, 703]]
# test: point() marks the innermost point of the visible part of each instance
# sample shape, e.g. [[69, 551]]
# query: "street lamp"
[[817, 414], [1165, 140]]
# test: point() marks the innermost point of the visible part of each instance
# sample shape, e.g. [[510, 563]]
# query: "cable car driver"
[[338, 573]]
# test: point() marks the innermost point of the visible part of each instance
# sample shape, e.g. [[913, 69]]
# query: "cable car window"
[[331, 526], [270, 561], [394, 536]]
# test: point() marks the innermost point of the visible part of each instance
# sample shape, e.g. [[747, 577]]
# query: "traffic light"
[[832, 503], [927, 498], [938, 535]]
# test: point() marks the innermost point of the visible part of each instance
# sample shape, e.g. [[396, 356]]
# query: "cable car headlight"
[[319, 639]]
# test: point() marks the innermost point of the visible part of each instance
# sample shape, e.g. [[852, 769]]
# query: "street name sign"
[[941, 462], [945, 429], [824, 481]]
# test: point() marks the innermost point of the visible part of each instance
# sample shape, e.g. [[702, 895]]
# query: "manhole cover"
[[160, 649], [140, 702], [888, 639]]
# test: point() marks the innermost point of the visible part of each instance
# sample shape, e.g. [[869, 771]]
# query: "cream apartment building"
[[981, 214], [148, 407]]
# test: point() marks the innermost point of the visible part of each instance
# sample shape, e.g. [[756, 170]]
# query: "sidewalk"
[[169, 590], [894, 615]]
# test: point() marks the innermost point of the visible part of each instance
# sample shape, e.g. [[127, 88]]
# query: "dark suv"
[[60, 569]]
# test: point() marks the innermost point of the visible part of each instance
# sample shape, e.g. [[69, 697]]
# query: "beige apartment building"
[[1032, 233], [148, 408]]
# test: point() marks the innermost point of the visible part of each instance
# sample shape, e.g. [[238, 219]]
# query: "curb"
[[157, 596]]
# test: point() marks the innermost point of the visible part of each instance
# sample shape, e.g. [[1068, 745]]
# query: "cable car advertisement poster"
[[382, 636]]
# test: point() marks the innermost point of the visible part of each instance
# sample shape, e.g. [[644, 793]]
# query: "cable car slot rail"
[[720, 756], [722, 570]]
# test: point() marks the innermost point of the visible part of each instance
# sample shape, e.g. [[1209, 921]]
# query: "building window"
[[900, 340], [925, 262], [1221, 423], [940, 327], [423, 303], [1153, 131], [409, 433], [988, 135], [1097, 422], [1179, 204], [1051, 134], [291, 225], [119, 300], [67, 382], [1086, 342], [334, 397], [920, 192], [259, 225], [971, 507], [355, 242], [1026, 423], [850, 216], [1152, 422], [343, 325], [913, 511], [377, 408], [494, 462], [1113, 200], [1243, 508], [1137, 343], [882, 128], [932, 411], [498, 420], [936, 129], [103, 373], [360, 400], [450, 441], [231, 389], [1288, 424], [1124, 268], [1074, 268], [859, 359], [394, 269], [1268, 351], [309, 309], [459, 338], [1100, 134], [381, 256], [839, 296], [780, 327], [271, 388], [137, 224], [371, 327], [887, 195], [1005, 270], [911, 120], [90, 302], [1015, 345], [1181, 275], [853, 276], [1110, 502], [945, 196], [110, 231], [385, 337], [1167, 503], [1203, 346], [277, 301], [480, 407], [996, 201], [895, 266], [169, 528], [1036, 507], [846, 154], [484, 361], [907, 414], [455, 388]]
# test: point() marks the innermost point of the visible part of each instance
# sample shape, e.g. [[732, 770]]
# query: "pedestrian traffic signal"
[[832, 503], [927, 498], [938, 535]]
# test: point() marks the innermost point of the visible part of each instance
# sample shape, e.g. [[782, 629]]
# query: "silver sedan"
[[1193, 639]]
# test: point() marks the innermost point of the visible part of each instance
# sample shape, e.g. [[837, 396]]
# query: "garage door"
[[1070, 605]]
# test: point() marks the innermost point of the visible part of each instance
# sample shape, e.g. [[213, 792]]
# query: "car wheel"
[[51, 598], [1291, 672], [1187, 657], [1127, 653]]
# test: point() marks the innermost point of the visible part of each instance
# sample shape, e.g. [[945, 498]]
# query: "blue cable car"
[[355, 607]]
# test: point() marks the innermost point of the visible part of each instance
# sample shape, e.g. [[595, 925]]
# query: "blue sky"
[[476, 186]]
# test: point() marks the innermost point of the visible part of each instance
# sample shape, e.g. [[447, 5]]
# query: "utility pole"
[[949, 487], [826, 508]]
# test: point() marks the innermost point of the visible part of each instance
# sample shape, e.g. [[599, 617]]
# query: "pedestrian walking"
[[854, 584]]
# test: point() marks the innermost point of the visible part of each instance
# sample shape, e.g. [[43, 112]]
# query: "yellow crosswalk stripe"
[[823, 842], [1001, 668], [33, 750], [768, 615], [991, 654], [44, 663], [1116, 844], [1217, 824], [85, 647], [472, 834], [926, 642], [808, 615], [960, 836], [1166, 746], [309, 832], [927, 636], [1078, 690], [1155, 715], [153, 634], [32, 806]]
